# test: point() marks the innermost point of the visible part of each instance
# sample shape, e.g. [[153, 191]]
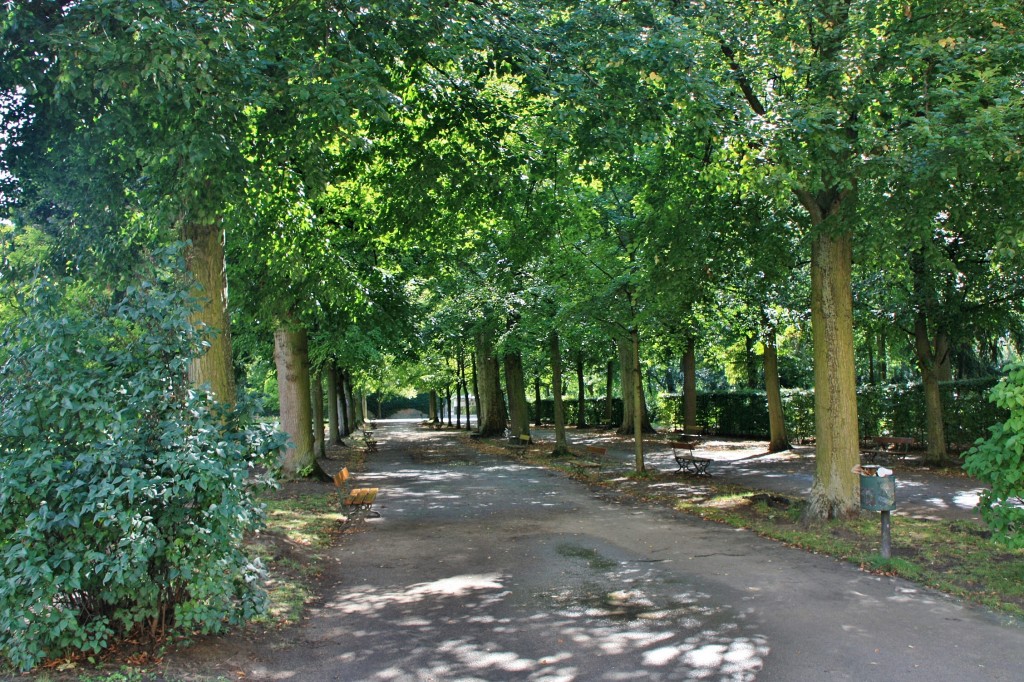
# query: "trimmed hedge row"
[[595, 411], [894, 409]]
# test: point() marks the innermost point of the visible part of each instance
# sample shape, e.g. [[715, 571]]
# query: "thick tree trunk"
[[609, 404], [929, 359], [630, 406], [836, 489], [561, 448], [290, 355], [640, 411], [515, 385], [581, 395], [204, 259], [690, 383], [432, 407], [332, 406], [776, 417], [319, 447], [492, 407]]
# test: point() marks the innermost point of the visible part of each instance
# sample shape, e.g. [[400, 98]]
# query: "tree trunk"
[[836, 489], [290, 355], [609, 405], [640, 411], [630, 406], [332, 406], [515, 386], [319, 447], [929, 360], [883, 370], [432, 407], [536, 401], [458, 393], [348, 403], [750, 361], [561, 448], [581, 396], [364, 409], [346, 424], [690, 383], [465, 393], [204, 259], [492, 408], [448, 402], [776, 417], [476, 390]]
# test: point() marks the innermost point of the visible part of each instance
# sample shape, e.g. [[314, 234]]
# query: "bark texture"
[[777, 440], [836, 489], [630, 405], [561, 448], [319, 446], [515, 385], [581, 395], [204, 259], [291, 357], [332, 407], [492, 407], [929, 359], [640, 411]]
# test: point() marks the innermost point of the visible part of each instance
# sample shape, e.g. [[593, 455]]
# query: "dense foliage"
[[999, 461], [124, 491]]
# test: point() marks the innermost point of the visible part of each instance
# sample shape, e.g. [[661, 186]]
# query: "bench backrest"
[[901, 441], [341, 477], [524, 438], [684, 444], [596, 450]]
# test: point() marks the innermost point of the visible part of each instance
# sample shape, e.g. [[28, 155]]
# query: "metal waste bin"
[[877, 493]]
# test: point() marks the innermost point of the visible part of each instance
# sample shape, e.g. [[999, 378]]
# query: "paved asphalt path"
[[480, 569]]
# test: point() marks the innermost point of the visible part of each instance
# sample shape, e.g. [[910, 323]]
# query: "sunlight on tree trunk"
[[515, 385], [319, 447], [204, 259], [332, 406], [630, 405], [929, 359], [835, 492], [639, 413], [290, 354], [690, 383], [492, 407]]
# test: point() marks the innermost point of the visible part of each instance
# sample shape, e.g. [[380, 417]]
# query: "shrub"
[[999, 461], [124, 492]]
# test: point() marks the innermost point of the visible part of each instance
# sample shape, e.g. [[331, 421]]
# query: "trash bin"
[[877, 493]]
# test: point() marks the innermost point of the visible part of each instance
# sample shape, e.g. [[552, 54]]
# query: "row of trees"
[[405, 193]]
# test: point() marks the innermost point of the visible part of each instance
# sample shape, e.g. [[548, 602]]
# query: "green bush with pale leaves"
[[124, 492], [999, 461]]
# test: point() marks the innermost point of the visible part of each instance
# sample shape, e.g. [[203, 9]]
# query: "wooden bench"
[[688, 463], [597, 450], [887, 448], [521, 441], [358, 500], [369, 441]]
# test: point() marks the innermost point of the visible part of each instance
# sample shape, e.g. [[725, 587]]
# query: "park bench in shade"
[[887, 448]]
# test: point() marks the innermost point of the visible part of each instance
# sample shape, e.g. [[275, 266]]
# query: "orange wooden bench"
[[360, 500]]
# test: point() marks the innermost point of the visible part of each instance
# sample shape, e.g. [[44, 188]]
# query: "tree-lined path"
[[483, 569]]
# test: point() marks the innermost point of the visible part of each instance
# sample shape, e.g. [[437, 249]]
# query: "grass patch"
[[296, 529]]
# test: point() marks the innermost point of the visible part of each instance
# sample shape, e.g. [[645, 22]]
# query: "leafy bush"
[[999, 461], [124, 492]]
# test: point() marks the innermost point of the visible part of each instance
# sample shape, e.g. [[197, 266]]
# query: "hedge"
[[893, 409]]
